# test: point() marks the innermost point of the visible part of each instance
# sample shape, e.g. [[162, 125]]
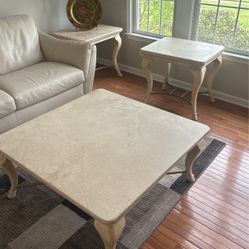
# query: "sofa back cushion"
[[19, 43]]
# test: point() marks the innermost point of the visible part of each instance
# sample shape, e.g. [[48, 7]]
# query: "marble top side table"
[[196, 54], [96, 35]]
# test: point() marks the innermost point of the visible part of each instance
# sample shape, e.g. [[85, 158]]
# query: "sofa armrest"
[[88, 84], [71, 52]]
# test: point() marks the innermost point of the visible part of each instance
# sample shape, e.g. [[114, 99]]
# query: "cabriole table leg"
[[146, 68], [198, 74], [210, 77], [10, 170], [116, 48], [191, 156], [110, 233], [167, 74]]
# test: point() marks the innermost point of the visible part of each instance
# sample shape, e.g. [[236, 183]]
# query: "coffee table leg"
[[198, 73], [116, 48], [210, 78], [110, 233], [191, 156], [167, 73], [10, 170], [146, 68]]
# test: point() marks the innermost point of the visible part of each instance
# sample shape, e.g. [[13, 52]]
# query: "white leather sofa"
[[39, 72]]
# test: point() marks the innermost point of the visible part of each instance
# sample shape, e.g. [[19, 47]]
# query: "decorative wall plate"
[[84, 14]]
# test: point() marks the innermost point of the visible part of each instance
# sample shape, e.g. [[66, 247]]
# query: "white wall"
[[232, 81], [49, 15]]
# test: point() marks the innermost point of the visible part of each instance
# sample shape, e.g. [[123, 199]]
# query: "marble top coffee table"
[[102, 152], [196, 54]]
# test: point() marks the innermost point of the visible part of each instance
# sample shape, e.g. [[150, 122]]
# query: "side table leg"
[[191, 156], [167, 73], [199, 74], [116, 48], [210, 78], [110, 233], [10, 170], [146, 68]]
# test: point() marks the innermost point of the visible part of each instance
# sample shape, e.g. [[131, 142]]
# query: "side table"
[[196, 54], [96, 35]]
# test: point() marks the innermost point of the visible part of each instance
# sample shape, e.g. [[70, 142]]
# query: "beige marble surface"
[[100, 33], [102, 151], [182, 50]]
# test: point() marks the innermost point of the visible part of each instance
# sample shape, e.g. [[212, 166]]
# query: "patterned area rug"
[[38, 218]]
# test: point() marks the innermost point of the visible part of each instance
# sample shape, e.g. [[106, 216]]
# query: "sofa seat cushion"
[[40, 81], [7, 104]]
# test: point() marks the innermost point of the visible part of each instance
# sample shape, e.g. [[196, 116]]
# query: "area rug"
[[38, 218]]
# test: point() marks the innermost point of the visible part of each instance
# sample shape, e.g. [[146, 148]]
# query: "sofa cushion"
[[7, 104], [40, 81], [19, 43]]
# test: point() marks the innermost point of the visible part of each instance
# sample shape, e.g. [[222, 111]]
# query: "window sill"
[[142, 38], [227, 56], [235, 58]]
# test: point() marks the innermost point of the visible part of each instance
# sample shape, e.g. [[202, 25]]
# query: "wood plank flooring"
[[215, 212]]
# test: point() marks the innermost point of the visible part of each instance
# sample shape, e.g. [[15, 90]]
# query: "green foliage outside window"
[[225, 33], [151, 22]]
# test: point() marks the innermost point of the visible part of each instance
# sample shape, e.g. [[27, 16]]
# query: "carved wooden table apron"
[[97, 35], [102, 152], [196, 54]]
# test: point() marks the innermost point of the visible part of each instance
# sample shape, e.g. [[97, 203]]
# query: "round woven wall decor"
[[84, 14]]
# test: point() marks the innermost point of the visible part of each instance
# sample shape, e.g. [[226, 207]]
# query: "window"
[[225, 22], [154, 17]]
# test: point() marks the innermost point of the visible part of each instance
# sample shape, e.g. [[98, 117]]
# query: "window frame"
[[196, 19], [134, 21]]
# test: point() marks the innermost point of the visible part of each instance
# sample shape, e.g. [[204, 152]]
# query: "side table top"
[[98, 34], [102, 151], [181, 50]]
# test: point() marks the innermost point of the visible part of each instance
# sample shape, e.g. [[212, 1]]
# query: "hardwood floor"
[[215, 212]]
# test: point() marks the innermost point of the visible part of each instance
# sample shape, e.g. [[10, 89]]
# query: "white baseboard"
[[179, 83]]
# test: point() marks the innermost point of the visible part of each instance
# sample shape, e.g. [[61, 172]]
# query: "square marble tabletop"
[[185, 51], [101, 151], [98, 34]]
